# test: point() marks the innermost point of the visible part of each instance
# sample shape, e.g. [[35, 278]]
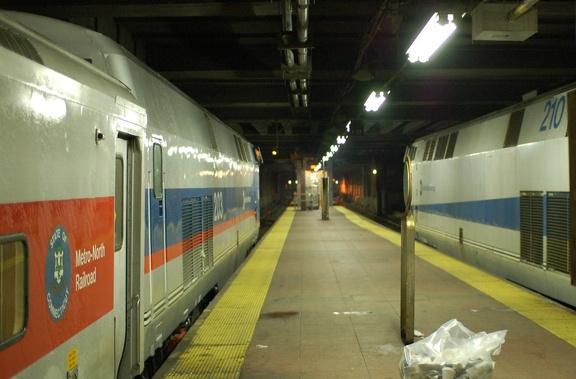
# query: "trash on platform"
[[418, 333], [452, 352]]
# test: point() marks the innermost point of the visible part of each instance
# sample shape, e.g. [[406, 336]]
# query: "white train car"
[[122, 204], [495, 192]]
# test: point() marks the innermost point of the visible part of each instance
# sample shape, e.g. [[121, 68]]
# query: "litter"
[[452, 352]]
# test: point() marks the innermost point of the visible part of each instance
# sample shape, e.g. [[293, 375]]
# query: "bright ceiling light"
[[431, 38], [374, 101]]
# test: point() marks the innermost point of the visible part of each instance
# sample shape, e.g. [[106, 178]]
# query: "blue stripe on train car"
[[502, 213]]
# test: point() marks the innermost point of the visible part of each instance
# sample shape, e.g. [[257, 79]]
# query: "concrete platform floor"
[[333, 311]]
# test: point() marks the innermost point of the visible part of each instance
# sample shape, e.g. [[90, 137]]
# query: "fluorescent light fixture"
[[375, 100], [431, 38]]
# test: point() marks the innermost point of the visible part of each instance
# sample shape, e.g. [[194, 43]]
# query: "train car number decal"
[[58, 272], [218, 206], [553, 113]]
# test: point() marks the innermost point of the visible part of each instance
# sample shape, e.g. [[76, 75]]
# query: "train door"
[[128, 242], [571, 132], [120, 248]]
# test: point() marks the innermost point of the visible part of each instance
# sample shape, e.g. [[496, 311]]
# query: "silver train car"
[[496, 192], [123, 203]]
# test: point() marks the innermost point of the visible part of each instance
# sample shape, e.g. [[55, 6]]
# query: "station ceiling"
[[230, 56]]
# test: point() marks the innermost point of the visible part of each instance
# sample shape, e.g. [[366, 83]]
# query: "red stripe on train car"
[[70, 251]]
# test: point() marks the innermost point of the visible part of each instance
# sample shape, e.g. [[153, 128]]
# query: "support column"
[[407, 274]]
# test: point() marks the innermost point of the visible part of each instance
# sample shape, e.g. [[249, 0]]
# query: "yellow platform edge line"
[[218, 348], [552, 317]]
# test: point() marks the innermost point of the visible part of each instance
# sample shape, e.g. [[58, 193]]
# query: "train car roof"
[[58, 58]]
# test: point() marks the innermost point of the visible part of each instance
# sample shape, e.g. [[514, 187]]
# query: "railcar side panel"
[[499, 200], [190, 212], [65, 213]]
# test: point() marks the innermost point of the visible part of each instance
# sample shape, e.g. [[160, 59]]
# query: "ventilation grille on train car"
[[441, 148], [531, 227], [451, 145], [19, 45], [429, 149], [243, 150], [411, 152], [558, 231], [513, 131], [211, 132], [197, 237]]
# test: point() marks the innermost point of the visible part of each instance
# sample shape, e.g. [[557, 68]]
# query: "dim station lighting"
[[274, 152]]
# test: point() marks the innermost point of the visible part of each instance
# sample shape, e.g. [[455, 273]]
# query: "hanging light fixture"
[[375, 101], [434, 34]]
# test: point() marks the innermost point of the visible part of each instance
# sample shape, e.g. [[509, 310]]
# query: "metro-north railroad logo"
[[58, 273]]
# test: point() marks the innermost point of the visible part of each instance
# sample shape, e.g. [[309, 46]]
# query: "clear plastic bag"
[[453, 351]]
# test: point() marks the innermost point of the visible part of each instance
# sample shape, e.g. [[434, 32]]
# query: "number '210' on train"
[[499, 192], [122, 204]]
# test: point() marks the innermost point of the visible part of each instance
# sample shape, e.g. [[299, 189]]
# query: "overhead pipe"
[[302, 30], [288, 54], [295, 101], [304, 99], [287, 16], [299, 96], [303, 20], [294, 89], [302, 33], [520, 10], [287, 38]]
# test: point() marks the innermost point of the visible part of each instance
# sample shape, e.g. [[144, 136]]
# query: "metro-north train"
[[123, 203], [497, 192]]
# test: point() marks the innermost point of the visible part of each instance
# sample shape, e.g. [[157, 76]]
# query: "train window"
[[13, 288], [157, 171], [119, 204]]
